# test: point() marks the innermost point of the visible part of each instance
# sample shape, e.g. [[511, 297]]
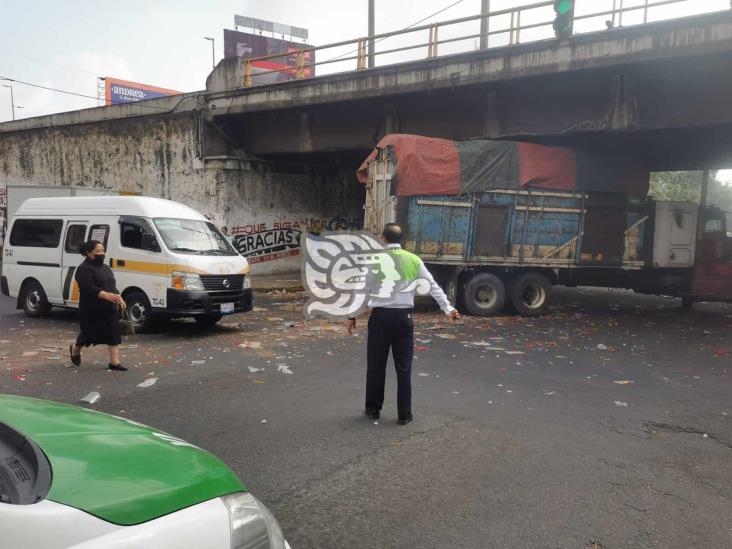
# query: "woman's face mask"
[[98, 259]]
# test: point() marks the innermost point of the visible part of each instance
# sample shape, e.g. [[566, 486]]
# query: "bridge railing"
[[534, 19]]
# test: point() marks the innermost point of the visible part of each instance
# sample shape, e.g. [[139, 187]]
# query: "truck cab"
[[712, 279]]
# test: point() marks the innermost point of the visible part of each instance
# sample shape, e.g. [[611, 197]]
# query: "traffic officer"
[[391, 326]]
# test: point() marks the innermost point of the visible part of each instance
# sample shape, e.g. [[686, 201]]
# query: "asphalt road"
[[604, 424]]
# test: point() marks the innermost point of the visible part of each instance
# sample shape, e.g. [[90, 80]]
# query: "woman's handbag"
[[125, 324]]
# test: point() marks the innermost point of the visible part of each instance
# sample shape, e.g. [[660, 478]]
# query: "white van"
[[169, 261]]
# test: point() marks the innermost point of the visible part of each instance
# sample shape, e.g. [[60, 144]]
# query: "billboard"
[[245, 44], [118, 91]]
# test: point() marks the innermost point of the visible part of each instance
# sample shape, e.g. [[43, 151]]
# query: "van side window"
[[74, 238], [100, 233], [36, 233], [134, 233]]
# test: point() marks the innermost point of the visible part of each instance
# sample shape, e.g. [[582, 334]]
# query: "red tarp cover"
[[547, 167], [425, 165]]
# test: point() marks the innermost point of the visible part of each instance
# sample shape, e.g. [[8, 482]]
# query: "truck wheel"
[[530, 294], [484, 295], [139, 311], [208, 321], [35, 303]]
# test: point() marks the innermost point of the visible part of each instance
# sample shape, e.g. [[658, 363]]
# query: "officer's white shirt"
[[401, 299]]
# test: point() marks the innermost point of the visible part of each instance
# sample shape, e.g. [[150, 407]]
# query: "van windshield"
[[190, 236]]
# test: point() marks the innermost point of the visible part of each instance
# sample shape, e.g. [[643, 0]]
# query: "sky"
[[67, 44]]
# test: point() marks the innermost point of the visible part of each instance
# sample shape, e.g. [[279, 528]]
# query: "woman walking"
[[99, 306]]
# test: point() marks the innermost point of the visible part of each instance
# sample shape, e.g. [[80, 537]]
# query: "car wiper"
[[186, 250]]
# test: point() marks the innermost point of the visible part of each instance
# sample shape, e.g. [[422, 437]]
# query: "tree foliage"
[[686, 187]]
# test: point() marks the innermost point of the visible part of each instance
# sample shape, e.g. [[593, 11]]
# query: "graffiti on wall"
[[260, 242]]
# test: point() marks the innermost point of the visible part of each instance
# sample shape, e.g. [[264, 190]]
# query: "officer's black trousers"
[[390, 329]]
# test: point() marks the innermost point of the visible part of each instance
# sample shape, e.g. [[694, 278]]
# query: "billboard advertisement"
[[118, 91], [248, 45]]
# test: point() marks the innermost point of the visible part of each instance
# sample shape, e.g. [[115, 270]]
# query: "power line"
[[405, 28], [47, 62], [76, 93]]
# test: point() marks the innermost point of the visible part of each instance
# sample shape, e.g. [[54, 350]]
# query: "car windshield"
[[191, 236]]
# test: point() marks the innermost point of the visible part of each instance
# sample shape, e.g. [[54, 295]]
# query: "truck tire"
[[139, 311], [530, 294], [484, 295], [206, 322], [34, 300]]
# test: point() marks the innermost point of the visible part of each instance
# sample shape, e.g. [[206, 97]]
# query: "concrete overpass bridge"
[[282, 156], [658, 91]]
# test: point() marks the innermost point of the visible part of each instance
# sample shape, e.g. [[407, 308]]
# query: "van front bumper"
[[197, 303], [4, 286]]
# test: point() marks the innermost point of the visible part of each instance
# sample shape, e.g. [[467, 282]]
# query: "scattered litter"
[[29, 353], [254, 370], [149, 382], [55, 357], [621, 404], [284, 369], [623, 382], [514, 352], [456, 392], [50, 349], [197, 362], [445, 336], [423, 374], [705, 435], [250, 345], [92, 397], [264, 421], [376, 422], [421, 348], [602, 347], [549, 393]]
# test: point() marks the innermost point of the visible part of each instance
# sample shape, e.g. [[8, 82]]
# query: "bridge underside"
[[673, 113]]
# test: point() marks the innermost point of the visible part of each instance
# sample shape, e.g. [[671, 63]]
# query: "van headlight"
[[186, 281], [253, 526], [247, 282]]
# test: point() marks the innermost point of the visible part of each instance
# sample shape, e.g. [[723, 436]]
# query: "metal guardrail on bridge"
[[296, 64]]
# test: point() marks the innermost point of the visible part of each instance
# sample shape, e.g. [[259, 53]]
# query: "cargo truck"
[[500, 223]]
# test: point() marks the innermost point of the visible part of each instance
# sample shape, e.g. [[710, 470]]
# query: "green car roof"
[[116, 469]]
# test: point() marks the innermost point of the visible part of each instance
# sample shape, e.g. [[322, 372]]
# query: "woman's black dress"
[[99, 318]]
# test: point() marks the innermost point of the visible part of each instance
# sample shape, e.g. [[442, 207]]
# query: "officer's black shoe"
[[404, 420], [372, 413]]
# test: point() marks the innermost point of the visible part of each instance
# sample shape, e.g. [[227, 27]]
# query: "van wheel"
[[484, 295], [139, 311], [207, 322], [35, 303], [530, 294]]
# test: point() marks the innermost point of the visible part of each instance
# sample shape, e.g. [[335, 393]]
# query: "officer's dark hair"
[[87, 247], [392, 233]]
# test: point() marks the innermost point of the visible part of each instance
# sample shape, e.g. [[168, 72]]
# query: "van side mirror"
[[149, 242]]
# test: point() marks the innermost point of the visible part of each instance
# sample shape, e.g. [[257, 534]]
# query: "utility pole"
[[705, 188], [485, 8], [12, 100], [213, 50], [372, 22]]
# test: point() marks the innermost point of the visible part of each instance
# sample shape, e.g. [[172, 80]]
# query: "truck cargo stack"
[[499, 223]]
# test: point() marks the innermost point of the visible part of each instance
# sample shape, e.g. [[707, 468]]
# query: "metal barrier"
[[301, 69]]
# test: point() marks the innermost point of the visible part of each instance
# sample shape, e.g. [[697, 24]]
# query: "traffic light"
[[563, 22]]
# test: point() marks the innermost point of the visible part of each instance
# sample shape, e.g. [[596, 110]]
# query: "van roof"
[[142, 206]]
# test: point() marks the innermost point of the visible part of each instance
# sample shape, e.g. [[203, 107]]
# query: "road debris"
[[621, 404], [254, 370], [149, 382], [624, 382], [250, 345], [92, 397], [284, 369]]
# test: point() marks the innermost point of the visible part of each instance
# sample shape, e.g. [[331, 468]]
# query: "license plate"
[[227, 308]]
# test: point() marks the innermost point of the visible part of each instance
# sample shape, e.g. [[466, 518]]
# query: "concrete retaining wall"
[[267, 210]]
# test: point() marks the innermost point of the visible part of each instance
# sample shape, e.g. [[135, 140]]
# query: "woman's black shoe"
[[75, 359], [117, 367], [404, 420]]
